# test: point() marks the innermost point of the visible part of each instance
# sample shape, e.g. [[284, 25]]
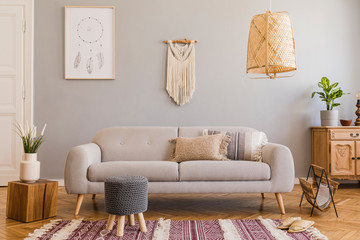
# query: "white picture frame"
[[89, 38]]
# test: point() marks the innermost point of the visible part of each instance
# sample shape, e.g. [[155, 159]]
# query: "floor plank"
[[208, 206]]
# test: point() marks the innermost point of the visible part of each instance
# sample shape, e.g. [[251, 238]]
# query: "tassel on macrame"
[[180, 82]]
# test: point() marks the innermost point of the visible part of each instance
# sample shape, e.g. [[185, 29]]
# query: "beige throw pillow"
[[212, 147]]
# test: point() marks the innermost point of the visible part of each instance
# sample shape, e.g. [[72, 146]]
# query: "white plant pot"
[[29, 168], [329, 118]]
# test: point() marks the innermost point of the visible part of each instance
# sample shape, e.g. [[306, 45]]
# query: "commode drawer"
[[346, 134]]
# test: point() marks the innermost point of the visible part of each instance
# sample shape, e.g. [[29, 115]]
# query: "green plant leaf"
[[334, 85], [325, 82], [322, 95]]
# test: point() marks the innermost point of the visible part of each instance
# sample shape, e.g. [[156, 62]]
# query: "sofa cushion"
[[224, 171], [135, 143], [154, 171]]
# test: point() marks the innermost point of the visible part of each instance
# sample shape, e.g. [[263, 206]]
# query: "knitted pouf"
[[125, 195]]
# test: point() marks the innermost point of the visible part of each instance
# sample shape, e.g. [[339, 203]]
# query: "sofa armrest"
[[281, 162], [78, 160]]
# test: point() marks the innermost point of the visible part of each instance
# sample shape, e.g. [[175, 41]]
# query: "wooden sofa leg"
[[280, 202], [79, 201]]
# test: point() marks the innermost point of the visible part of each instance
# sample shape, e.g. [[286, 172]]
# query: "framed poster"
[[89, 42]]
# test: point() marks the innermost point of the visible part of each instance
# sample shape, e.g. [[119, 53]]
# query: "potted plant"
[[29, 166], [329, 117]]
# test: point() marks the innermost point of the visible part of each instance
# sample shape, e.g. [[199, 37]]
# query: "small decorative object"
[[329, 94], [345, 122], [271, 46], [89, 42], [180, 82], [357, 122], [320, 192], [30, 167]]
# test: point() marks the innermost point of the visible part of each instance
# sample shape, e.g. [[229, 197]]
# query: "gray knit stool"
[[126, 196]]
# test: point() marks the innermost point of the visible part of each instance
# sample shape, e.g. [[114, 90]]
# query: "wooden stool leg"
[[79, 201], [131, 220], [142, 222], [262, 195], [280, 202], [120, 226], [110, 222], [93, 196]]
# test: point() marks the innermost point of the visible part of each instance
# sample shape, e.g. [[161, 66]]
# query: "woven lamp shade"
[[271, 45]]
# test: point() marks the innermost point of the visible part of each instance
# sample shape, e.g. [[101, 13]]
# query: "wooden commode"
[[337, 149]]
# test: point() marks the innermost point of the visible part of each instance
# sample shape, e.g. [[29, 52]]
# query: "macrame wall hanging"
[[180, 82]]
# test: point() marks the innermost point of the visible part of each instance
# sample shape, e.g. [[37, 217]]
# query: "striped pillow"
[[243, 145]]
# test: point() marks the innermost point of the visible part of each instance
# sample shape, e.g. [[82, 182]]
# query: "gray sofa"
[[145, 151]]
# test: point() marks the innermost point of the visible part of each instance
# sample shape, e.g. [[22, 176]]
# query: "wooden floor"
[[206, 206]]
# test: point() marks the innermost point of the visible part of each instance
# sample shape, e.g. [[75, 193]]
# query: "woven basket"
[[311, 187], [271, 45]]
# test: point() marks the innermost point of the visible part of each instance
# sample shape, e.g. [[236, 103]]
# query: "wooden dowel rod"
[[180, 41]]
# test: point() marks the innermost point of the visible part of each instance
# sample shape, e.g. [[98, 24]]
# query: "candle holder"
[[357, 122]]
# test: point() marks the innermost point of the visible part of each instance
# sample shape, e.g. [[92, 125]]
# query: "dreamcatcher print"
[[89, 42], [90, 31]]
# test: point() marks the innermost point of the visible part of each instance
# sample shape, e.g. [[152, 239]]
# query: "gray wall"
[[327, 36]]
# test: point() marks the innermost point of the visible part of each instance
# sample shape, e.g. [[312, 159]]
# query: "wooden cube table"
[[29, 202]]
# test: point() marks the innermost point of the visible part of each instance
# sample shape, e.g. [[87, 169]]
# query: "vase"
[[29, 168], [329, 118]]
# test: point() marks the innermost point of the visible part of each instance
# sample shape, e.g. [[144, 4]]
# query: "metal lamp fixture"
[[271, 46]]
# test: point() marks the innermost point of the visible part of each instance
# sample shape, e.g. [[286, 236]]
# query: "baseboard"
[[60, 182]]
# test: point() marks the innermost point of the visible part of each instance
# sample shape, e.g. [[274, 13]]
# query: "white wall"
[[327, 36]]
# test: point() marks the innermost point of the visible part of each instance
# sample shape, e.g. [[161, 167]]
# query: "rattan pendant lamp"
[[271, 46]]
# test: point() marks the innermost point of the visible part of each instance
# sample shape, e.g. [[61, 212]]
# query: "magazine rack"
[[320, 192]]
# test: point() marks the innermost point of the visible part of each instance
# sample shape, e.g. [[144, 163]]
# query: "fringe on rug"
[[65, 232], [316, 234], [41, 231], [162, 231], [275, 232], [229, 230]]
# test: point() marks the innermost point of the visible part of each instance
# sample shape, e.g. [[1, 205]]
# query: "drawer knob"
[[353, 158], [352, 135]]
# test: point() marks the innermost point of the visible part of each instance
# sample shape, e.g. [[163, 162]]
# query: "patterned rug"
[[222, 229]]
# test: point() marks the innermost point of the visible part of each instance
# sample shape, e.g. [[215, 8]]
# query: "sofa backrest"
[[135, 143], [146, 143], [198, 131]]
